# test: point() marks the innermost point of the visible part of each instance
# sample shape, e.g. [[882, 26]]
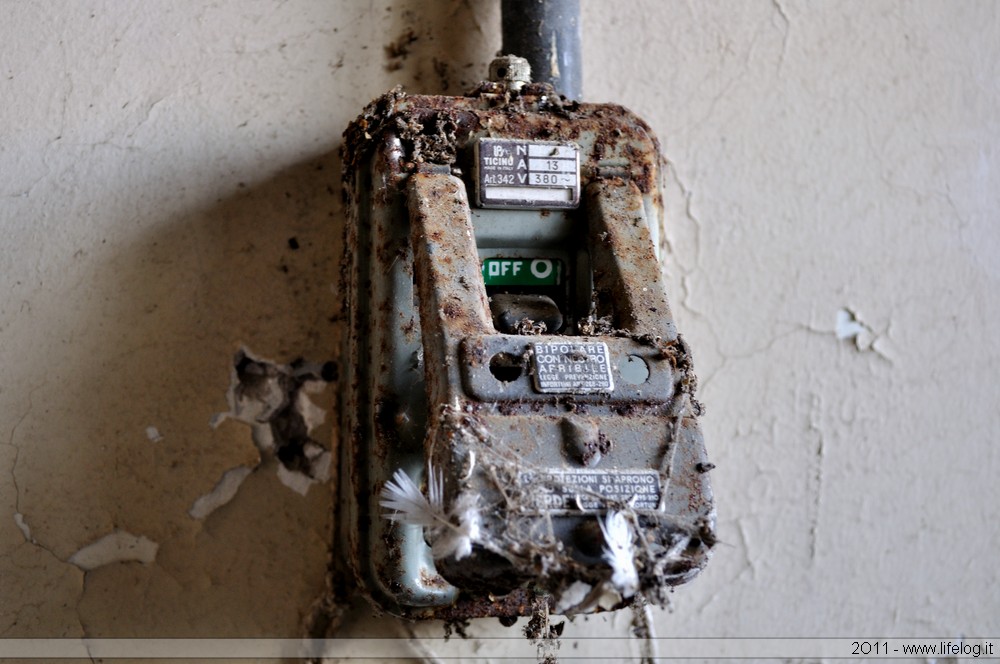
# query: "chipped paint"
[[116, 547], [850, 328], [224, 491], [272, 399], [22, 525]]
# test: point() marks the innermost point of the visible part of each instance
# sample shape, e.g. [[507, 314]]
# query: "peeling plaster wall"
[[832, 248]]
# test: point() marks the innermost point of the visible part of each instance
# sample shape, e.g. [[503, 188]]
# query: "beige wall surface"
[[832, 248]]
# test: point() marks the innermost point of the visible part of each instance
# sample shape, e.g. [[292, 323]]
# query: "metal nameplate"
[[527, 174], [592, 490], [572, 368]]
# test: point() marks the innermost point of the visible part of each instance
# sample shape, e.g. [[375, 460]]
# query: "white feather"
[[619, 554], [457, 540], [410, 506], [435, 490]]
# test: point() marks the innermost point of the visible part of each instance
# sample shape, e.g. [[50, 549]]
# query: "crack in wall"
[[727, 357], [115, 547], [751, 561], [13, 466], [785, 33], [673, 173], [815, 408]]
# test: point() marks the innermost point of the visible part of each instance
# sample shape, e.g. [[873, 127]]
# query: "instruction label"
[[591, 490], [572, 368], [527, 174]]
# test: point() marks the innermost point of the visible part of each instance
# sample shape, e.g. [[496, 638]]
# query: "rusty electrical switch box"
[[518, 418]]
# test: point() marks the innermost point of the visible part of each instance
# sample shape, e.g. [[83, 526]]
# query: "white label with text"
[[572, 368], [527, 174], [590, 490]]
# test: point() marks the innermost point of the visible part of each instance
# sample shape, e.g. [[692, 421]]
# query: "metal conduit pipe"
[[547, 34]]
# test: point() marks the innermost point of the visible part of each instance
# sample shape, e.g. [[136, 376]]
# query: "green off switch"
[[522, 271]]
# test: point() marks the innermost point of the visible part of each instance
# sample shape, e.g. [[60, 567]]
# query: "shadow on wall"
[[438, 48], [127, 447], [118, 437]]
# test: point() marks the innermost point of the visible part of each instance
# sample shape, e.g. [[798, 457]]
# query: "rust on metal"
[[418, 378]]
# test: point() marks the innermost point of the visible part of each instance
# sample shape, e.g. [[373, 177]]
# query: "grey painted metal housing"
[[528, 478]]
